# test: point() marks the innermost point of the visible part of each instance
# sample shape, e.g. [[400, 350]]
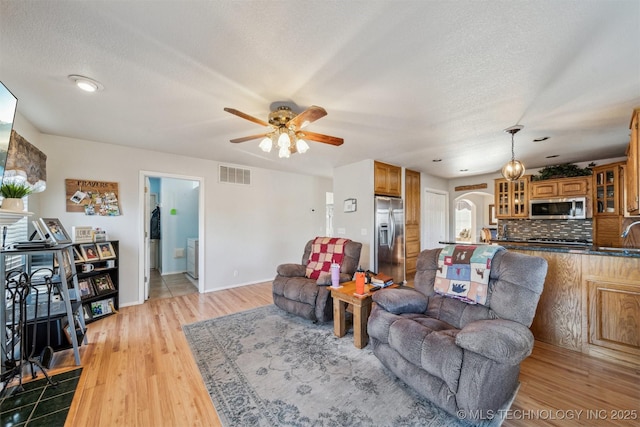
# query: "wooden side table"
[[343, 296]]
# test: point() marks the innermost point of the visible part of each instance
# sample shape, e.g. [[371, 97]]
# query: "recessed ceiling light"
[[436, 160], [85, 83], [544, 138], [552, 156]]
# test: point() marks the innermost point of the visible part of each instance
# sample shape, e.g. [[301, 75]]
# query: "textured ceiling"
[[403, 81]]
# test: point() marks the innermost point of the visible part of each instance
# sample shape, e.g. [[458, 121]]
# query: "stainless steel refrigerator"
[[389, 237]]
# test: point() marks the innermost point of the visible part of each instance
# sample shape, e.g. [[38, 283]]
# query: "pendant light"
[[514, 169]]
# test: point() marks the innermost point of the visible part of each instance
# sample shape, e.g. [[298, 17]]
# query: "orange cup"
[[360, 282]]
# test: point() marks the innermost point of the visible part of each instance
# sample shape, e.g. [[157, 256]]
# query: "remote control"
[[375, 288]]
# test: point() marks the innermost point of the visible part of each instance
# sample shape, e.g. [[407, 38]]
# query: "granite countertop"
[[586, 250]]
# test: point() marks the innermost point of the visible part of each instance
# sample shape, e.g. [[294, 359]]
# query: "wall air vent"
[[234, 175]]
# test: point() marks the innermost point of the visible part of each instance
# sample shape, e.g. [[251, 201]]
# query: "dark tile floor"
[[40, 404], [171, 285]]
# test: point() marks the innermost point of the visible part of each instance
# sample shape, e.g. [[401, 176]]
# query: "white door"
[[147, 236], [435, 220]]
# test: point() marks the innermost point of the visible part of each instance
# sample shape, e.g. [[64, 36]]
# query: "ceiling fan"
[[286, 130]]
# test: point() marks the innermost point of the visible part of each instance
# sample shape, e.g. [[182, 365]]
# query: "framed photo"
[[492, 215], [39, 231], [89, 252], [66, 261], [350, 205], [103, 284], [54, 229], [105, 250], [77, 256], [85, 288], [82, 234]]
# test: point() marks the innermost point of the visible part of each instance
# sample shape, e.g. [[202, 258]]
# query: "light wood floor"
[[138, 371]]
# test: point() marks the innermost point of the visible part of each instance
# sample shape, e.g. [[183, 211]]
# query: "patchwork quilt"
[[324, 251], [463, 272]]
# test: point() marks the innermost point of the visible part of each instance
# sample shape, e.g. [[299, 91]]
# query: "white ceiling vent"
[[234, 175]]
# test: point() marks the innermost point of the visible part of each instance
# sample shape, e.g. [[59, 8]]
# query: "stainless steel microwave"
[[568, 208]]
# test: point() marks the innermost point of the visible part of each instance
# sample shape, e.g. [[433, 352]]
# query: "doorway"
[[181, 202], [435, 219]]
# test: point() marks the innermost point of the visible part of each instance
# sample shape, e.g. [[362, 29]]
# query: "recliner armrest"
[[504, 341], [398, 301], [291, 270]]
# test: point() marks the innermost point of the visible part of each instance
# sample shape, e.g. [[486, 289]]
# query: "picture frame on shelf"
[[54, 230], [77, 256], [86, 288], [67, 263], [37, 227], [82, 234], [105, 250], [89, 252], [103, 284], [101, 308]]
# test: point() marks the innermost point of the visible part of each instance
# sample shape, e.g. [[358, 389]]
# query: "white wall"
[[355, 181], [248, 229]]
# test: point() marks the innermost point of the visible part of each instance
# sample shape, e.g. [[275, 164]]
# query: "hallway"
[[171, 285]]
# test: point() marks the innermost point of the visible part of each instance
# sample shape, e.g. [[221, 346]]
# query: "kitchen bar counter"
[[572, 249]]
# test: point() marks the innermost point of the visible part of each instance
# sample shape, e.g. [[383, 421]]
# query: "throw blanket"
[[324, 251], [463, 272]]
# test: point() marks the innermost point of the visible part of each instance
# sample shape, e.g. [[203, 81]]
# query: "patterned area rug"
[[265, 367]]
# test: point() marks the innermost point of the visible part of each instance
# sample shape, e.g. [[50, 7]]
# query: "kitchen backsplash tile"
[[570, 229]]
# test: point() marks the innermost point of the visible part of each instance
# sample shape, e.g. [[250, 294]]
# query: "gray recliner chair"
[[460, 356], [311, 298]]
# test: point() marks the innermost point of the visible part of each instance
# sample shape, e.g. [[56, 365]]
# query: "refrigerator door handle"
[[392, 226]]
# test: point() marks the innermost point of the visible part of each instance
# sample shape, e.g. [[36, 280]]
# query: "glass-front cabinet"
[[512, 198], [606, 189]]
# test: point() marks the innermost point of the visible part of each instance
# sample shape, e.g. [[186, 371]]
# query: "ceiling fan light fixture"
[[514, 169], [302, 146], [266, 144], [283, 139], [284, 152]]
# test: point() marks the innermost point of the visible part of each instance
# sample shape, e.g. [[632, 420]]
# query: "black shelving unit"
[[99, 304]]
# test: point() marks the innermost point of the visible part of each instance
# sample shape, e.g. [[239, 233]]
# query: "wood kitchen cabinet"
[[387, 179], [512, 198], [607, 204], [590, 304], [632, 177], [607, 189], [611, 327], [412, 221], [561, 187]]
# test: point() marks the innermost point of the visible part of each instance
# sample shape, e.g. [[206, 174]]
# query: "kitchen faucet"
[[626, 230]]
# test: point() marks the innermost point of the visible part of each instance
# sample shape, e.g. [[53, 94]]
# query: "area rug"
[[265, 367], [40, 404]]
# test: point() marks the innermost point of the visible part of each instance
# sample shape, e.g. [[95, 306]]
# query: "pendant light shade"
[[514, 169]]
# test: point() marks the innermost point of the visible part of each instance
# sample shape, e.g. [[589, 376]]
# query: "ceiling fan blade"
[[246, 116], [309, 115], [248, 138], [318, 137]]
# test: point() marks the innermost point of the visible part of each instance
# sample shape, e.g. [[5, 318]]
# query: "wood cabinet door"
[[387, 179], [544, 189], [632, 176], [573, 187], [412, 197], [607, 190]]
